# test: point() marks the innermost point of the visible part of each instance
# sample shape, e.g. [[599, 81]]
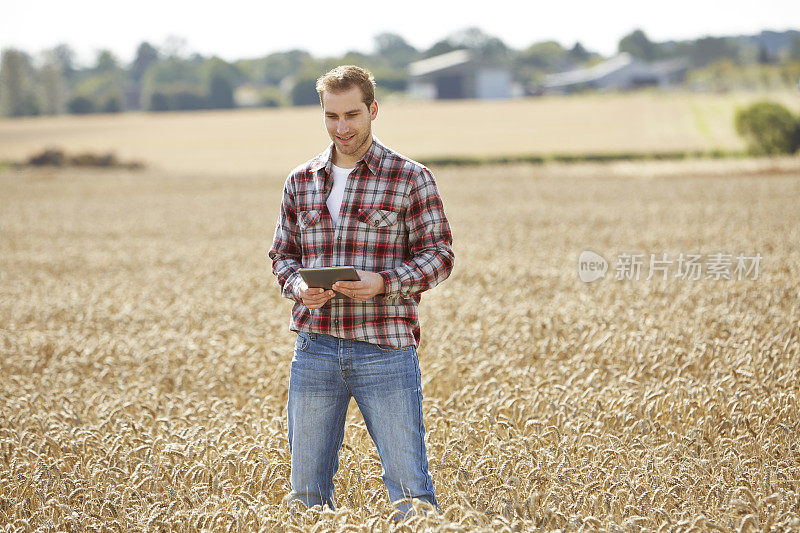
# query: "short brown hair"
[[343, 77]]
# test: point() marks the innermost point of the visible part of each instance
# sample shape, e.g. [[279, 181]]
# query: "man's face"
[[349, 123]]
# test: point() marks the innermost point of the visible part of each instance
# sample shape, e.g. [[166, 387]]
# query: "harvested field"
[[145, 355], [276, 140]]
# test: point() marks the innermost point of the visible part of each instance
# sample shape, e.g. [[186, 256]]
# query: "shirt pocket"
[[312, 234], [383, 230], [309, 218], [378, 218]]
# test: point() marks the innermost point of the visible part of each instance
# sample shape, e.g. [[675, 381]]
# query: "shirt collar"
[[373, 158]]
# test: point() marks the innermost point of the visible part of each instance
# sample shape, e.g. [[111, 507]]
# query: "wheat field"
[[145, 355]]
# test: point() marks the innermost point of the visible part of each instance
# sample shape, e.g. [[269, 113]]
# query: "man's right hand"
[[314, 297]]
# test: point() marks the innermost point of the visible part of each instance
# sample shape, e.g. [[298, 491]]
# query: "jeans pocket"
[[302, 342]]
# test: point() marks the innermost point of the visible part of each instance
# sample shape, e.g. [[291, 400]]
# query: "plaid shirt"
[[391, 221]]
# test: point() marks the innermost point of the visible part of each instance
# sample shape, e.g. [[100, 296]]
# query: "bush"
[[304, 91], [188, 100], [220, 93], [271, 97], [56, 157], [769, 128], [88, 159], [158, 102], [112, 104], [81, 105], [177, 97], [49, 156]]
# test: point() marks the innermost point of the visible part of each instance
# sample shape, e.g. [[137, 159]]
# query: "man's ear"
[[373, 110]]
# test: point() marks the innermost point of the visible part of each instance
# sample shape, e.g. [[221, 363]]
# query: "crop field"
[[145, 352], [276, 140]]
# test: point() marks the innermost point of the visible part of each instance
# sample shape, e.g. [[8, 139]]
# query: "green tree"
[[579, 54], [769, 128], [548, 56], [439, 48], [710, 49], [112, 103], [222, 77], [220, 92], [390, 80], [278, 66], [794, 49], [394, 49], [177, 96], [17, 93], [304, 90], [353, 57], [271, 97], [764, 58], [106, 62], [53, 85], [187, 97], [303, 87], [484, 46], [158, 101], [104, 89], [80, 105], [146, 55], [64, 56], [638, 45], [170, 76], [216, 66]]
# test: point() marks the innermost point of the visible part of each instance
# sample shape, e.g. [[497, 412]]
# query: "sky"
[[238, 29]]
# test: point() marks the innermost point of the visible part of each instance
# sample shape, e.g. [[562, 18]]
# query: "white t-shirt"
[[334, 201]]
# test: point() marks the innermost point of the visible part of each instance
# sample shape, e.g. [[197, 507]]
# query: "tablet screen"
[[325, 277]]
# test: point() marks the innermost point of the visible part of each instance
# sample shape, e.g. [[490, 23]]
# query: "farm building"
[[458, 74], [623, 72]]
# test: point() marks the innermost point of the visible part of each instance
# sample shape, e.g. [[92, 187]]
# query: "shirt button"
[[339, 238], [335, 321]]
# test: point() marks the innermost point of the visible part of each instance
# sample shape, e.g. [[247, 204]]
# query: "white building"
[[458, 74], [623, 72]]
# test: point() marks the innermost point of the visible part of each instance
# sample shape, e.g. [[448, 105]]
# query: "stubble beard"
[[366, 140]]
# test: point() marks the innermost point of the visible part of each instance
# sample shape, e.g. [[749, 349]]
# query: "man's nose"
[[342, 127]]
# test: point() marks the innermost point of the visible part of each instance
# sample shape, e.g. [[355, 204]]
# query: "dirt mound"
[[58, 158]]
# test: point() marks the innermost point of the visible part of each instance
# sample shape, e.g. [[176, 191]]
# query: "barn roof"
[[440, 62], [585, 75]]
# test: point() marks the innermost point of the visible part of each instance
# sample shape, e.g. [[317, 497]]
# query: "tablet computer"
[[325, 277]]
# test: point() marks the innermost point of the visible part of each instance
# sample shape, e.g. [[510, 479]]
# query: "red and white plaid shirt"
[[391, 221]]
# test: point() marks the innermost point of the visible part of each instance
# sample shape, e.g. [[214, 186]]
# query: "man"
[[358, 203]]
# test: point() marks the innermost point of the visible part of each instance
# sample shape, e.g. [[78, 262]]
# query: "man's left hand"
[[371, 284]]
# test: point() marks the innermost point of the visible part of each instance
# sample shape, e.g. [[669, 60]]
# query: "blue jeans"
[[385, 382]]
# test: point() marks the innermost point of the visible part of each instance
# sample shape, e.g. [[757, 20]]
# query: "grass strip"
[[540, 159]]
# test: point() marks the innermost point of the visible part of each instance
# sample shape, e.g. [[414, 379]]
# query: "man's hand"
[[371, 284], [314, 298]]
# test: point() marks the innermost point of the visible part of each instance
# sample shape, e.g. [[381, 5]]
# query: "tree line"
[[164, 79]]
